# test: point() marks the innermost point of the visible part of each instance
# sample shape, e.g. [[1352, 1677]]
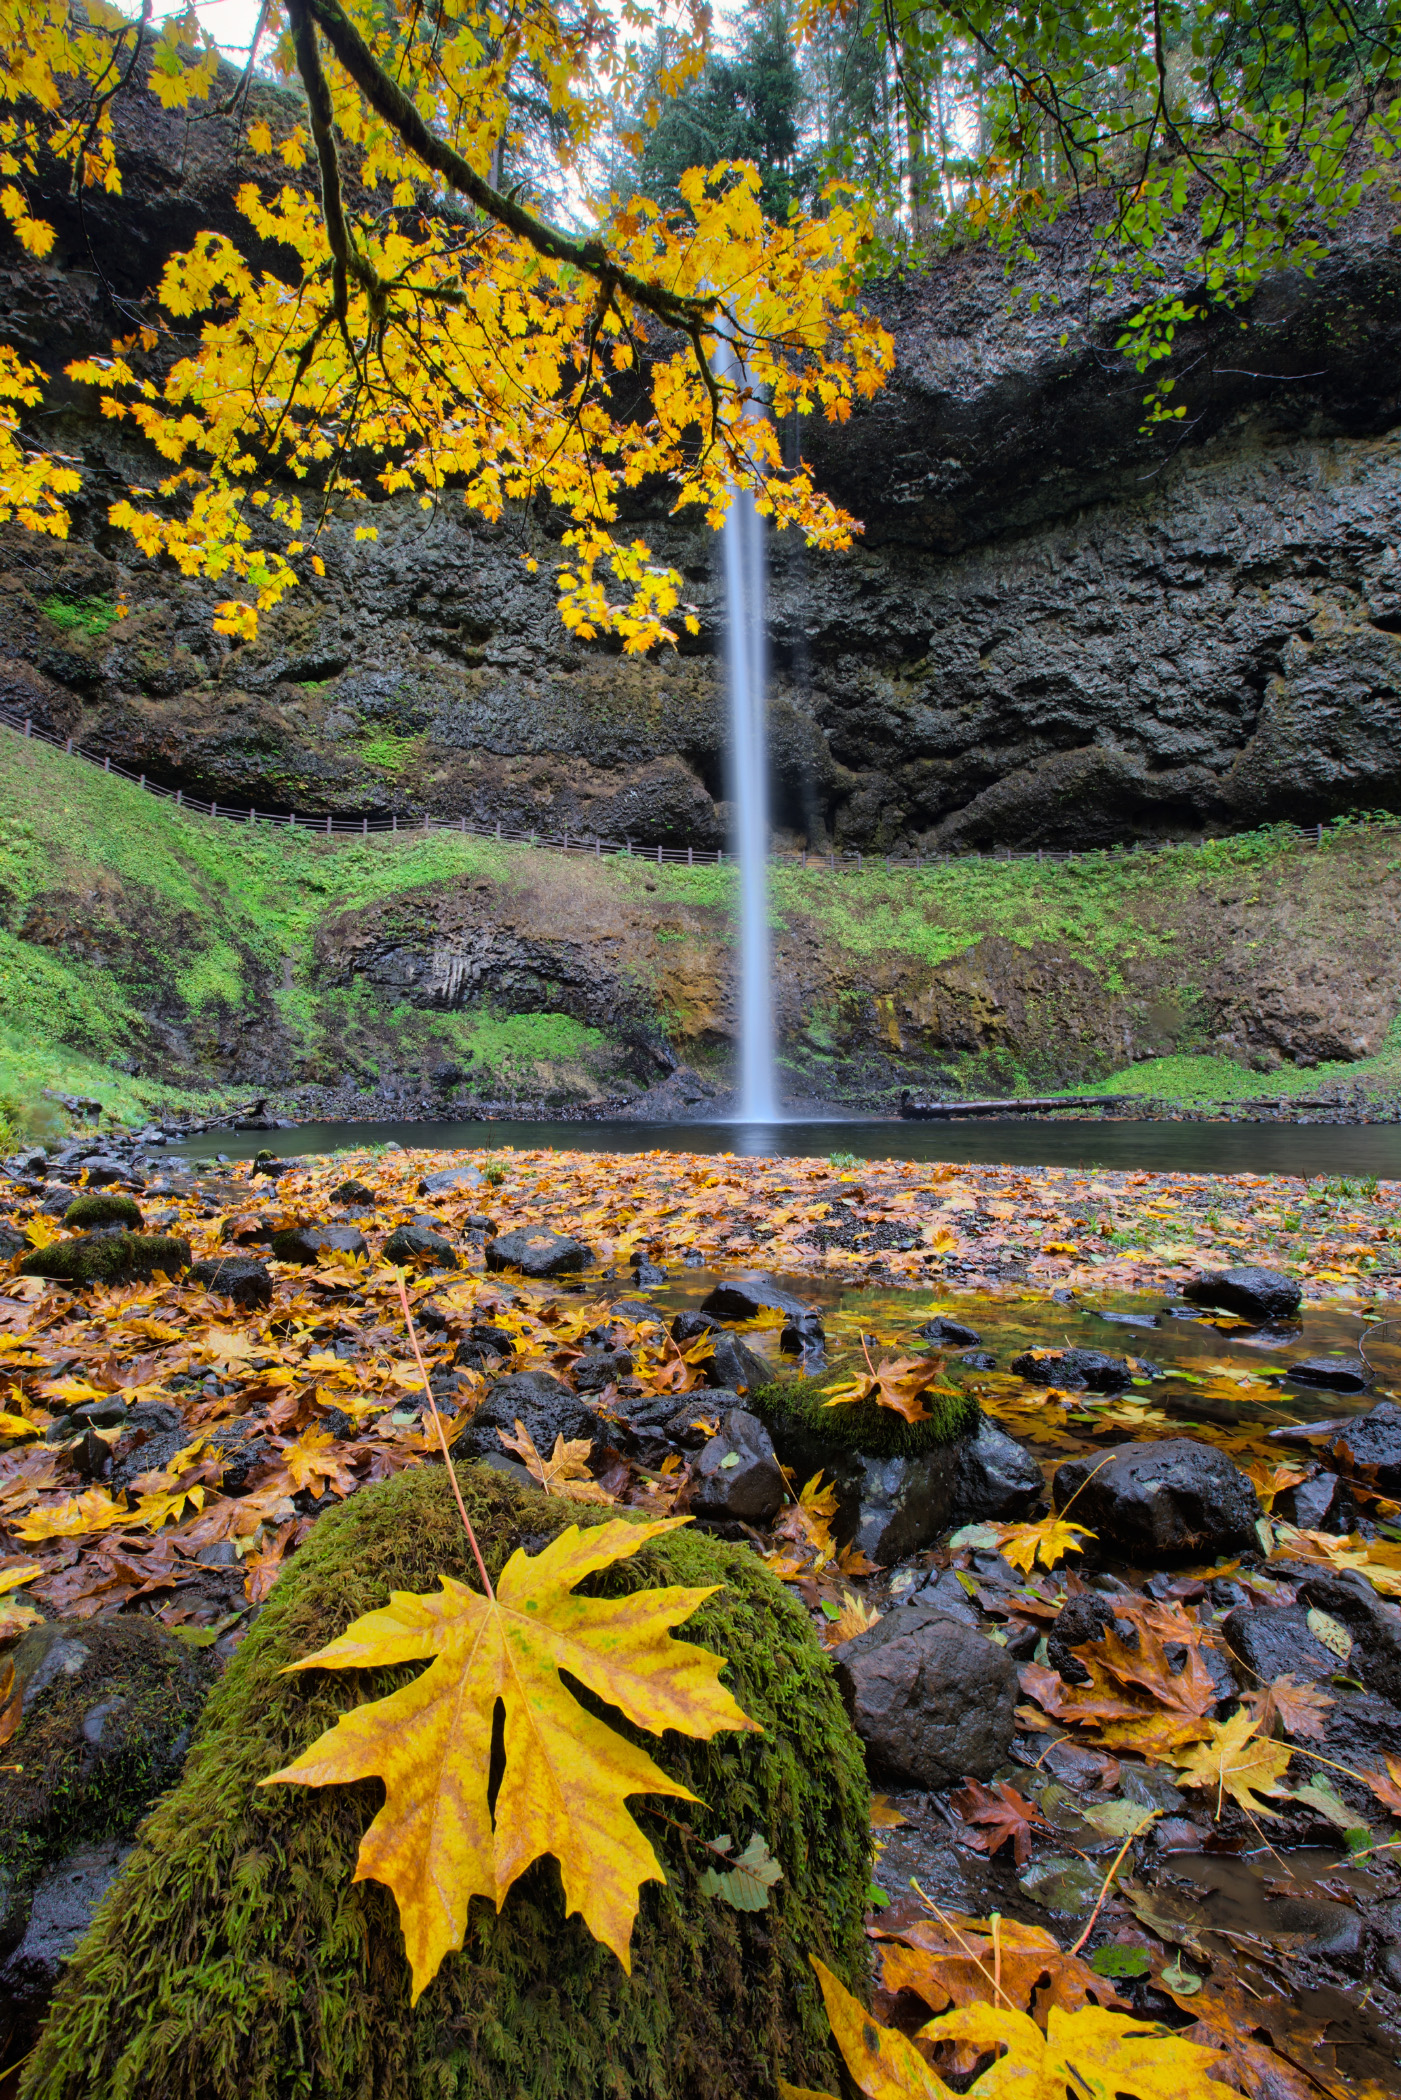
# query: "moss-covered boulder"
[[236, 1958], [107, 1709], [896, 1481], [109, 1257], [103, 1207]]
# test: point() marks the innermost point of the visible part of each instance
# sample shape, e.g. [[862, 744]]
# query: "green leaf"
[[1184, 1981], [1120, 1961], [877, 1897], [745, 1885]]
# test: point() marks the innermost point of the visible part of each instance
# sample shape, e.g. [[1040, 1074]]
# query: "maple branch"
[[442, 1439], [388, 100], [347, 260]]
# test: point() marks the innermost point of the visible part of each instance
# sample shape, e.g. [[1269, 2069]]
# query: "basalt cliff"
[[1056, 630]]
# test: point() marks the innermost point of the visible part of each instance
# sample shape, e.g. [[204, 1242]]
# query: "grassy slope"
[[229, 909]]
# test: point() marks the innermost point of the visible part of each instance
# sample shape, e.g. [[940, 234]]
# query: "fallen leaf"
[[436, 1843], [745, 1885], [1007, 1818], [1386, 1786], [1300, 1709], [1049, 1541], [564, 1472], [1237, 1760]]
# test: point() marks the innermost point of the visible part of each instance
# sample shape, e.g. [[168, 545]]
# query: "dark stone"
[[1361, 1729], [735, 1479], [102, 1173], [1276, 1642], [421, 1246], [736, 1366], [236, 1277], [945, 1593], [1333, 1929], [597, 1368], [951, 1332], [931, 1698], [449, 1180], [546, 1407], [11, 1242], [1160, 1501], [243, 1450], [647, 1272], [483, 1345], [1337, 1374], [103, 1207], [1115, 1319], [1371, 1444], [1074, 1370], [109, 1257], [744, 1297], [691, 1425], [979, 1359], [308, 1244], [358, 1192], [447, 1075], [687, 1326], [995, 1476], [60, 1911], [1256, 1294], [1081, 1619], [1320, 1503], [537, 1252], [1375, 1626]]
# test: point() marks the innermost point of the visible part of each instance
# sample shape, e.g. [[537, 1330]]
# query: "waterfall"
[[746, 659]]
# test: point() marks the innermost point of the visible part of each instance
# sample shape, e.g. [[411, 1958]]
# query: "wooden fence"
[[556, 841]]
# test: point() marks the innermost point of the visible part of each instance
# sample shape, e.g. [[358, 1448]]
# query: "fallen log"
[[939, 1111]]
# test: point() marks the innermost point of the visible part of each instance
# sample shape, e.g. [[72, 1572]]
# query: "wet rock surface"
[[537, 1253], [1160, 1501], [931, 1699], [1256, 1294]]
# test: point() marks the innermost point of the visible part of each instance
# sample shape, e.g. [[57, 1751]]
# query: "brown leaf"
[[1299, 1708], [1007, 1817]]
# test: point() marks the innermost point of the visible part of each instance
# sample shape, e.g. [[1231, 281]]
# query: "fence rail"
[[563, 841]]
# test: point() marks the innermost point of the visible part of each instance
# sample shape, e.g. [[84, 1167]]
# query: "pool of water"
[[1305, 1149]]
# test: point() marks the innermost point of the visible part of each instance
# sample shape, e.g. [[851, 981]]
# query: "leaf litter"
[[287, 1408]]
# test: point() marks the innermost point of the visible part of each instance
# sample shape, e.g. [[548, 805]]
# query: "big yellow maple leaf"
[[1085, 2052], [435, 1842], [1239, 1761]]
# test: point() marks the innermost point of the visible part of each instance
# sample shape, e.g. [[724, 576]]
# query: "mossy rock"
[[104, 1730], [103, 1207], [795, 1408], [109, 1257], [236, 1959]]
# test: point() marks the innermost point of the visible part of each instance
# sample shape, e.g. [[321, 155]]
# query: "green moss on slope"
[[236, 1959]]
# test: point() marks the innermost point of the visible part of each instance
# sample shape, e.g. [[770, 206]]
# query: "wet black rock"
[[448, 1180], [597, 1368], [60, 1911], [995, 1476], [1161, 1501], [546, 1407], [1336, 1374], [689, 1326], [932, 1699], [1074, 1370], [1375, 1625], [1323, 1502], [735, 1477], [483, 1347], [109, 1257], [1256, 1294], [11, 1242], [945, 1593], [745, 1297], [647, 1272], [1361, 1729], [308, 1244], [356, 1192], [536, 1252], [419, 1245], [1277, 1642], [951, 1332], [1081, 1619], [1121, 1319], [1332, 1929], [236, 1277], [103, 1172], [736, 1365], [1371, 1444]]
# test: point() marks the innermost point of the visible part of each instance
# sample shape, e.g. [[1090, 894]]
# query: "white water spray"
[[746, 655]]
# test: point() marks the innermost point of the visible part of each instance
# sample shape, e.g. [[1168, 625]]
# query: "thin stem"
[[442, 1439], [1118, 1860]]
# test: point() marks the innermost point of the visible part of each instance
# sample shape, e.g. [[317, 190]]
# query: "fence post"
[[628, 848], [106, 765], [462, 824], [328, 823], [213, 809], [28, 725], [250, 813], [179, 798], [1318, 828], [68, 748], [393, 822], [142, 781], [498, 827], [690, 857], [598, 849]]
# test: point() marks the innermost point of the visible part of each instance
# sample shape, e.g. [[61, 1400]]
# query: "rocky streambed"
[[1053, 1541]]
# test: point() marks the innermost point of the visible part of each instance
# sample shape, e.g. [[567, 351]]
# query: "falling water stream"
[[746, 654]]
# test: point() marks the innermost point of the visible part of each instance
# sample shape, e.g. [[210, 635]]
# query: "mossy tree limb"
[[236, 1960]]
